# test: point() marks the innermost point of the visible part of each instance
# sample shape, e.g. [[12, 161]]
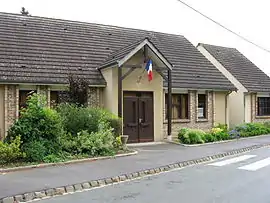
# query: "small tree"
[[24, 12], [78, 90]]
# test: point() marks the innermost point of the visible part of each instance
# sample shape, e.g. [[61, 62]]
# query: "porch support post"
[[120, 92], [169, 106]]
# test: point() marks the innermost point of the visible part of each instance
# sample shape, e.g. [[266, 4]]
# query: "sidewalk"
[[148, 157]]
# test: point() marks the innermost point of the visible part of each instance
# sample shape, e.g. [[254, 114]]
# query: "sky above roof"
[[248, 18]]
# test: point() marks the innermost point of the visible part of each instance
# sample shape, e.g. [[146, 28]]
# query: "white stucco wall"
[[248, 108]]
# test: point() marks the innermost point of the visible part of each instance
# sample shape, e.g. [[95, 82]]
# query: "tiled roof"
[[246, 72], [44, 50]]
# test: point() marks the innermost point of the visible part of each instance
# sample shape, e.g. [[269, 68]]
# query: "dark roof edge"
[[87, 23], [44, 83]]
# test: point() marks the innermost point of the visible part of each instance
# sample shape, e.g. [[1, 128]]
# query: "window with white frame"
[[202, 106]]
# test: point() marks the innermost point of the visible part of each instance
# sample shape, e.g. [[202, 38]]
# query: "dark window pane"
[[23, 96], [179, 106], [263, 104], [54, 97]]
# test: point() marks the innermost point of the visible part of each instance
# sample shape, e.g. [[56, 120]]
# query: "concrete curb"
[[91, 184], [21, 168], [218, 142]]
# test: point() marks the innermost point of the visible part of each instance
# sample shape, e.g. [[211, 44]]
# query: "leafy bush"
[[252, 129], [53, 158], [118, 143], [209, 137], [35, 151], [220, 134], [182, 136], [224, 127], [77, 119], [10, 152], [96, 143], [191, 136], [196, 136], [36, 122]]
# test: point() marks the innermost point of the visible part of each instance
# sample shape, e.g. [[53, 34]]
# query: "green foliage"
[[182, 136], [50, 135], [77, 119], [252, 129], [35, 150], [209, 137], [220, 133], [10, 152], [53, 158], [224, 127], [96, 143], [118, 143], [191, 136], [78, 90], [37, 122]]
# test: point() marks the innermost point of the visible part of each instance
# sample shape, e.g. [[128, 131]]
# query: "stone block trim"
[[193, 122], [44, 91], [11, 103], [94, 97], [124, 177]]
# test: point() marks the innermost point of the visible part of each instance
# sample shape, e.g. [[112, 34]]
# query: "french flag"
[[149, 68]]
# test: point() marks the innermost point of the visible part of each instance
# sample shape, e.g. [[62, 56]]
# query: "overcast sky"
[[249, 18]]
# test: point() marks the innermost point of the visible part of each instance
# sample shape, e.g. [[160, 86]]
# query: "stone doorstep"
[[22, 168], [78, 187]]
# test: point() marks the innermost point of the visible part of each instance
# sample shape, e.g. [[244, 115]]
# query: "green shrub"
[[221, 136], [68, 144], [37, 122], [224, 127], [53, 158], [118, 143], [96, 143], [209, 137], [10, 152], [191, 136], [267, 124], [77, 119], [183, 137], [196, 136], [252, 129], [35, 151]]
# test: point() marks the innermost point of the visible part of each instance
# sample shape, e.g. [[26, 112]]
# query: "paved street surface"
[[148, 157], [240, 179]]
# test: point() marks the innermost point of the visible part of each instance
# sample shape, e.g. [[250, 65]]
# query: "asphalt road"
[[239, 179], [148, 157]]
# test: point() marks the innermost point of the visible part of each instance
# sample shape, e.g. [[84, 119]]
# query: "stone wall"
[[193, 121]]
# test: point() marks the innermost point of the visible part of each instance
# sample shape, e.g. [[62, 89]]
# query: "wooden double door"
[[138, 115]]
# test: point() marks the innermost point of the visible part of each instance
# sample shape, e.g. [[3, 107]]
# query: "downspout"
[[226, 108], [244, 97]]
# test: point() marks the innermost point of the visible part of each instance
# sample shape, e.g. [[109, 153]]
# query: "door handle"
[[140, 120], [131, 124], [144, 124]]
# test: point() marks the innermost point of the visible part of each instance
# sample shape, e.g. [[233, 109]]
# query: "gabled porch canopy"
[[150, 51]]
